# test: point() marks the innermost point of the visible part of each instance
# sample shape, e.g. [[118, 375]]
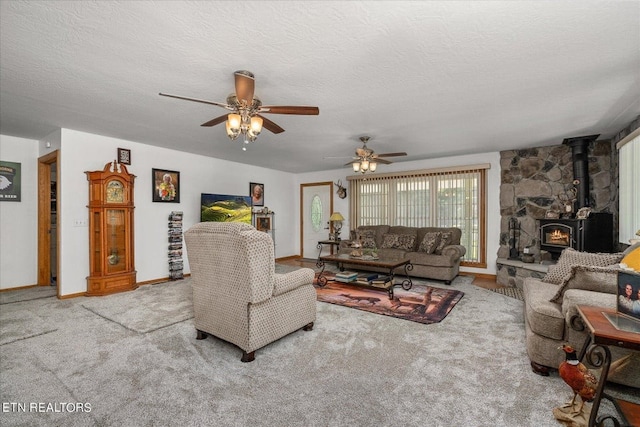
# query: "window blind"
[[629, 170], [446, 197]]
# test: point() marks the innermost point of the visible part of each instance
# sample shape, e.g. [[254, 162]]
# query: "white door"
[[317, 203]]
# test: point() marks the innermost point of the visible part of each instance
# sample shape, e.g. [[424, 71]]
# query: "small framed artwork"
[[124, 156], [10, 181], [166, 186], [629, 294], [263, 223], [256, 191]]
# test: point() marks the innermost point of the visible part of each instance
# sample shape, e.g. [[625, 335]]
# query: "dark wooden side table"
[[331, 244], [602, 335]]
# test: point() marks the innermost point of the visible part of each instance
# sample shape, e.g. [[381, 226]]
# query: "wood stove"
[[591, 234]]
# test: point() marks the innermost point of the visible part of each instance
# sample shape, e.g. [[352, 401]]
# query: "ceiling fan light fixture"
[[230, 132], [256, 125], [373, 166], [356, 167], [235, 121], [364, 165]]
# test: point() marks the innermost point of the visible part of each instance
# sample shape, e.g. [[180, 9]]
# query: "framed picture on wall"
[[10, 181], [256, 191], [166, 186], [124, 156], [263, 223]]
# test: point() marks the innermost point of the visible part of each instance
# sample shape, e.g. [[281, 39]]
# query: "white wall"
[[198, 174], [493, 193], [19, 220], [80, 152]]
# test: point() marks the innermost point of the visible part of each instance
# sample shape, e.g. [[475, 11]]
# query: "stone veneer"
[[532, 182]]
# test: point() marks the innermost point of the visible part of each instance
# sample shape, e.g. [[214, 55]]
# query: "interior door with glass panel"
[[317, 203]]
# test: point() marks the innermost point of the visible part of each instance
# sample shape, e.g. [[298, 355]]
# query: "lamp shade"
[[336, 216]]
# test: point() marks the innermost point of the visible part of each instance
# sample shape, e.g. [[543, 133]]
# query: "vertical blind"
[[629, 164], [430, 198]]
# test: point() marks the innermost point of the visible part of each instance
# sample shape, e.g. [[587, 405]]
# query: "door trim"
[[44, 219], [302, 187]]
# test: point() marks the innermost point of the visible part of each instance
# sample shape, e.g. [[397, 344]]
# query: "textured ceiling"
[[430, 78]]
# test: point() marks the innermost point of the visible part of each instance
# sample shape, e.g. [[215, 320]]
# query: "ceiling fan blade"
[[269, 125], [392, 154], [215, 121], [381, 161], [289, 109], [245, 85], [219, 104]]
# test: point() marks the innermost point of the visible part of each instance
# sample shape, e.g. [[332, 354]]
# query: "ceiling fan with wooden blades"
[[367, 160], [246, 110]]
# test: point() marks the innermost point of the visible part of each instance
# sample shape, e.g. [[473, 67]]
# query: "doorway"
[[316, 205], [48, 220]]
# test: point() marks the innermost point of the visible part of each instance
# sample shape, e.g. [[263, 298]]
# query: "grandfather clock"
[[111, 254]]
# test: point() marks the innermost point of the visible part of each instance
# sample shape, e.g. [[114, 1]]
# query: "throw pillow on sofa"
[[429, 242], [588, 278], [570, 257], [632, 260], [445, 240], [398, 241], [367, 238]]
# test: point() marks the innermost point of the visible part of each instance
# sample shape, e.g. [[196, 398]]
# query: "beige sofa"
[[437, 259], [579, 278], [237, 296]]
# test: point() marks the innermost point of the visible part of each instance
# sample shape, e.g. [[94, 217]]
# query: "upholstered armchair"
[[237, 296]]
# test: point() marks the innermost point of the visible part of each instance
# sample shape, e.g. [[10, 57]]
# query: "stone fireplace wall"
[[537, 180], [532, 183]]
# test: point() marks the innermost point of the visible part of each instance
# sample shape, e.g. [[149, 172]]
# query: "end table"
[[602, 335]]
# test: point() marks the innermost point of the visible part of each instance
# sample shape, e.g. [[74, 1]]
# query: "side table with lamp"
[[335, 226], [335, 220]]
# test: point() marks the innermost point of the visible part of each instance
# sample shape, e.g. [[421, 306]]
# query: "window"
[[451, 197], [629, 156], [316, 213]]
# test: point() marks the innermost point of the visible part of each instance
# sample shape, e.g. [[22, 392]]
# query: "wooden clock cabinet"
[[111, 238]]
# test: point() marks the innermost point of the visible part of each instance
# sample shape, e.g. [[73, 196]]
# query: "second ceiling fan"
[[246, 110], [366, 160]]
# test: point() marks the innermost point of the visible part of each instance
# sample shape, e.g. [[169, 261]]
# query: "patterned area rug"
[[430, 306], [510, 292]]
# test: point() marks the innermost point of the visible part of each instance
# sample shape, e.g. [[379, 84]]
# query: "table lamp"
[[336, 219]]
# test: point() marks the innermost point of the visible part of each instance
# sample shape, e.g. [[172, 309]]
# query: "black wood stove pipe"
[[580, 157]]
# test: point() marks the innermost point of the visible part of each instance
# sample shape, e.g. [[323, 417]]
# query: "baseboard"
[[288, 258]]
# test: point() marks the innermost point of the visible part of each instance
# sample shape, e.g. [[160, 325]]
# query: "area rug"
[[510, 292], [165, 304], [430, 306]]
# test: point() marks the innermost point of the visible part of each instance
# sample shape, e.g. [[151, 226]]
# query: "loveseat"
[[434, 252], [578, 278]]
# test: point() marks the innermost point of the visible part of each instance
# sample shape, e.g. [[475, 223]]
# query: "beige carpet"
[[353, 369], [163, 304]]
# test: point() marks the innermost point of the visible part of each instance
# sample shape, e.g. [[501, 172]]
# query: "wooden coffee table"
[[602, 335], [391, 265]]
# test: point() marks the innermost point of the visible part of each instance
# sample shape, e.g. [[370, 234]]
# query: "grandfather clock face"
[[115, 192]]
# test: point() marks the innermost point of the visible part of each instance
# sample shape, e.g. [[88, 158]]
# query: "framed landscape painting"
[[166, 186]]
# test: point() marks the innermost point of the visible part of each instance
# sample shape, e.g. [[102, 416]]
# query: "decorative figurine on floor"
[[582, 382]]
